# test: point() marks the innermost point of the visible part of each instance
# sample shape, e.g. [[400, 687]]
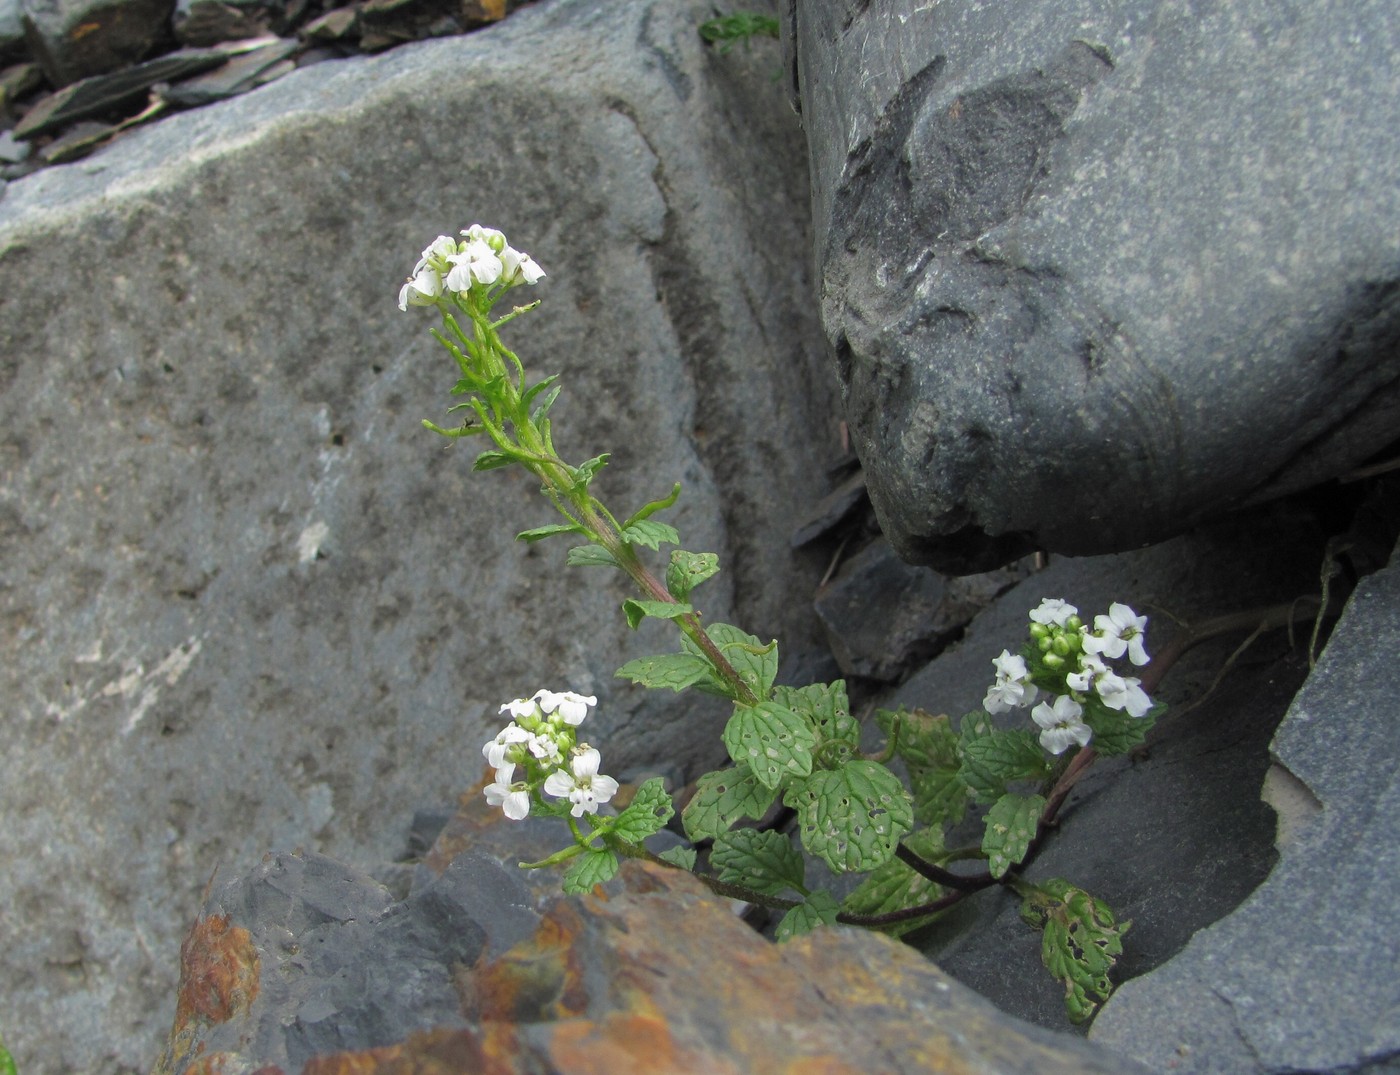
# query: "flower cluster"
[[542, 742], [483, 260], [1068, 661]]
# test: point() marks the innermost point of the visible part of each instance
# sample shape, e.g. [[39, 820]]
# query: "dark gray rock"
[[1302, 976], [11, 29], [1097, 272], [74, 39], [247, 601]]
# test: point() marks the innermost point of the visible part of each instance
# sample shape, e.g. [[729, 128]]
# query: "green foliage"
[[674, 671], [895, 886], [1011, 826], [722, 798], [1114, 731], [650, 509], [684, 857], [851, 817], [828, 713], [636, 611], [729, 30], [539, 533], [490, 459], [992, 760], [650, 534], [1082, 941], [929, 747], [593, 867], [756, 664], [818, 909], [591, 556], [772, 741], [7, 1063], [647, 813], [760, 859], [687, 570]]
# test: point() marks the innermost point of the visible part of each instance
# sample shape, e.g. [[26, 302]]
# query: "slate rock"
[[238, 74], [248, 602], [75, 39], [11, 29], [199, 23], [651, 972], [1098, 272], [1302, 976]]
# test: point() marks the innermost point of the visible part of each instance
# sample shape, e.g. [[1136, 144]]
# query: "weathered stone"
[[75, 39], [248, 602], [1061, 262], [11, 29], [1302, 976], [199, 23], [254, 68]]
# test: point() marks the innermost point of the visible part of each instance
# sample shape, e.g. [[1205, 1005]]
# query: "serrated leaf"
[[923, 739], [589, 869], [756, 664], [826, 708], [975, 725], [772, 741], [676, 671], [590, 556], [587, 470], [1011, 826], [684, 857], [1114, 731], [851, 817], [1081, 943], [650, 534], [760, 859], [647, 813], [653, 507], [539, 533], [636, 611], [687, 570], [940, 796], [492, 460], [895, 886], [990, 762], [818, 909], [722, 798]]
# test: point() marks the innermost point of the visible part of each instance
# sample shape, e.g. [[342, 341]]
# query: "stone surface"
[[246, 601], [652, 973], [1174, 836], [1302, 976], [1100, 271], [73, 39]]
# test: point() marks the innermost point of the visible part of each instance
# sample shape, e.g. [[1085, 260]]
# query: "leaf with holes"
[[759, 859], [1082, 942], [827, 710], [851, 817], [688, 570], [920, 738], [896, 887], [647, 813], [1011, 826], [722, 798], [772, 741], [818, 909], [756, 663], [589, 869]]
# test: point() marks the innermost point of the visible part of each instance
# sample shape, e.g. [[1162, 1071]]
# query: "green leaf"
[[990, 762], [650, 534], [647, 813], [759, 859], [940, 796], [7, 1063], [895, 886], [756, 664], [1011, 826], [772, 741], [818, 909], [584, 473], [539, 533], [674, 670], [924, 740], [1114, 731], [684, 857], [687, 570], [591, 556], [826, 708], [851, 817], [492, 460], [589, 869], [652, 508], [722, 798], [535, 389], [1081, 944], [636, 611]]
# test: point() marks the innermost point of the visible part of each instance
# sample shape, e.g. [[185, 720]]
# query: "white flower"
[[584, 787], [1120, 693], [514, 799], [545, 748], [476, 263], [1090, 668], [1012, 689], [519, 708], [422, 289], [495, 751], [1062, 724], [1053, 610], [570, 707], [496, 240], [1119, 632], [520, 268]]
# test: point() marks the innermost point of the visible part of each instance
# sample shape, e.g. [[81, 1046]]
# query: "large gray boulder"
[[1094, 272], [247, 602]]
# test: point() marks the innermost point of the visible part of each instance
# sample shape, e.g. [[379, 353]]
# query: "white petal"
[[559, 784]]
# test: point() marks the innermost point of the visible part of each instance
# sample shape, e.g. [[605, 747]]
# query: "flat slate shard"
[[1098, 272]]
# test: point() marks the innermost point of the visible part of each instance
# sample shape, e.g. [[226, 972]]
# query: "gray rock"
[[1303, 976], [11, 28], [1100, 271], [247, 601], [74, 39]]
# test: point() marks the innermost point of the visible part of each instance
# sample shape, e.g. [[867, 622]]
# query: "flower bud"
[[1053, 661], [1039, 631], [1061, 646], [1043, 643]]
